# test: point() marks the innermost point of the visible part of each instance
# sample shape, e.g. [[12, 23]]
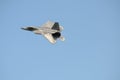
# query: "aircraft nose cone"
[[23, 28], [29, 28]]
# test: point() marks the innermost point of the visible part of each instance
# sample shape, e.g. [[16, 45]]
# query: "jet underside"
[[50, 30]]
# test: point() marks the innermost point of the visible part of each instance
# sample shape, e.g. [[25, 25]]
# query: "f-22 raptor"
[[50, 30]]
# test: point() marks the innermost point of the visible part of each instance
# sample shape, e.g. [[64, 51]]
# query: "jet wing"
[[48, 24], [52, 25], [49, 38]]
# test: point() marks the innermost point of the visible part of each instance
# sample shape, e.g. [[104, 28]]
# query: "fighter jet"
[[50, 30]]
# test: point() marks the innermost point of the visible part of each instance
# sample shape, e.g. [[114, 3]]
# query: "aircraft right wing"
[[52, 25], [50, 38], [48, 24]]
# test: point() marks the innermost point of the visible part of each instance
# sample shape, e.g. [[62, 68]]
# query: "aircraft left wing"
[[50, 38]]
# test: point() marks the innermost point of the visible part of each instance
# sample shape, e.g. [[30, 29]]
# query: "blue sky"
[[91, 50]]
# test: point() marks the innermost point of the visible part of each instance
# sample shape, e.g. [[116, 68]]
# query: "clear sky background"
[[91, 50]]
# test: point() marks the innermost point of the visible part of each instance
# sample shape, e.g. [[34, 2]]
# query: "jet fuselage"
[[43, 30]]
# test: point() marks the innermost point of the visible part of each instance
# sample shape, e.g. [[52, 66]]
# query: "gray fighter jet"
[[50, 30]]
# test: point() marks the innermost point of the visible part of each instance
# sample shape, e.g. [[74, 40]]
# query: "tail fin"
[[56, 26]]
